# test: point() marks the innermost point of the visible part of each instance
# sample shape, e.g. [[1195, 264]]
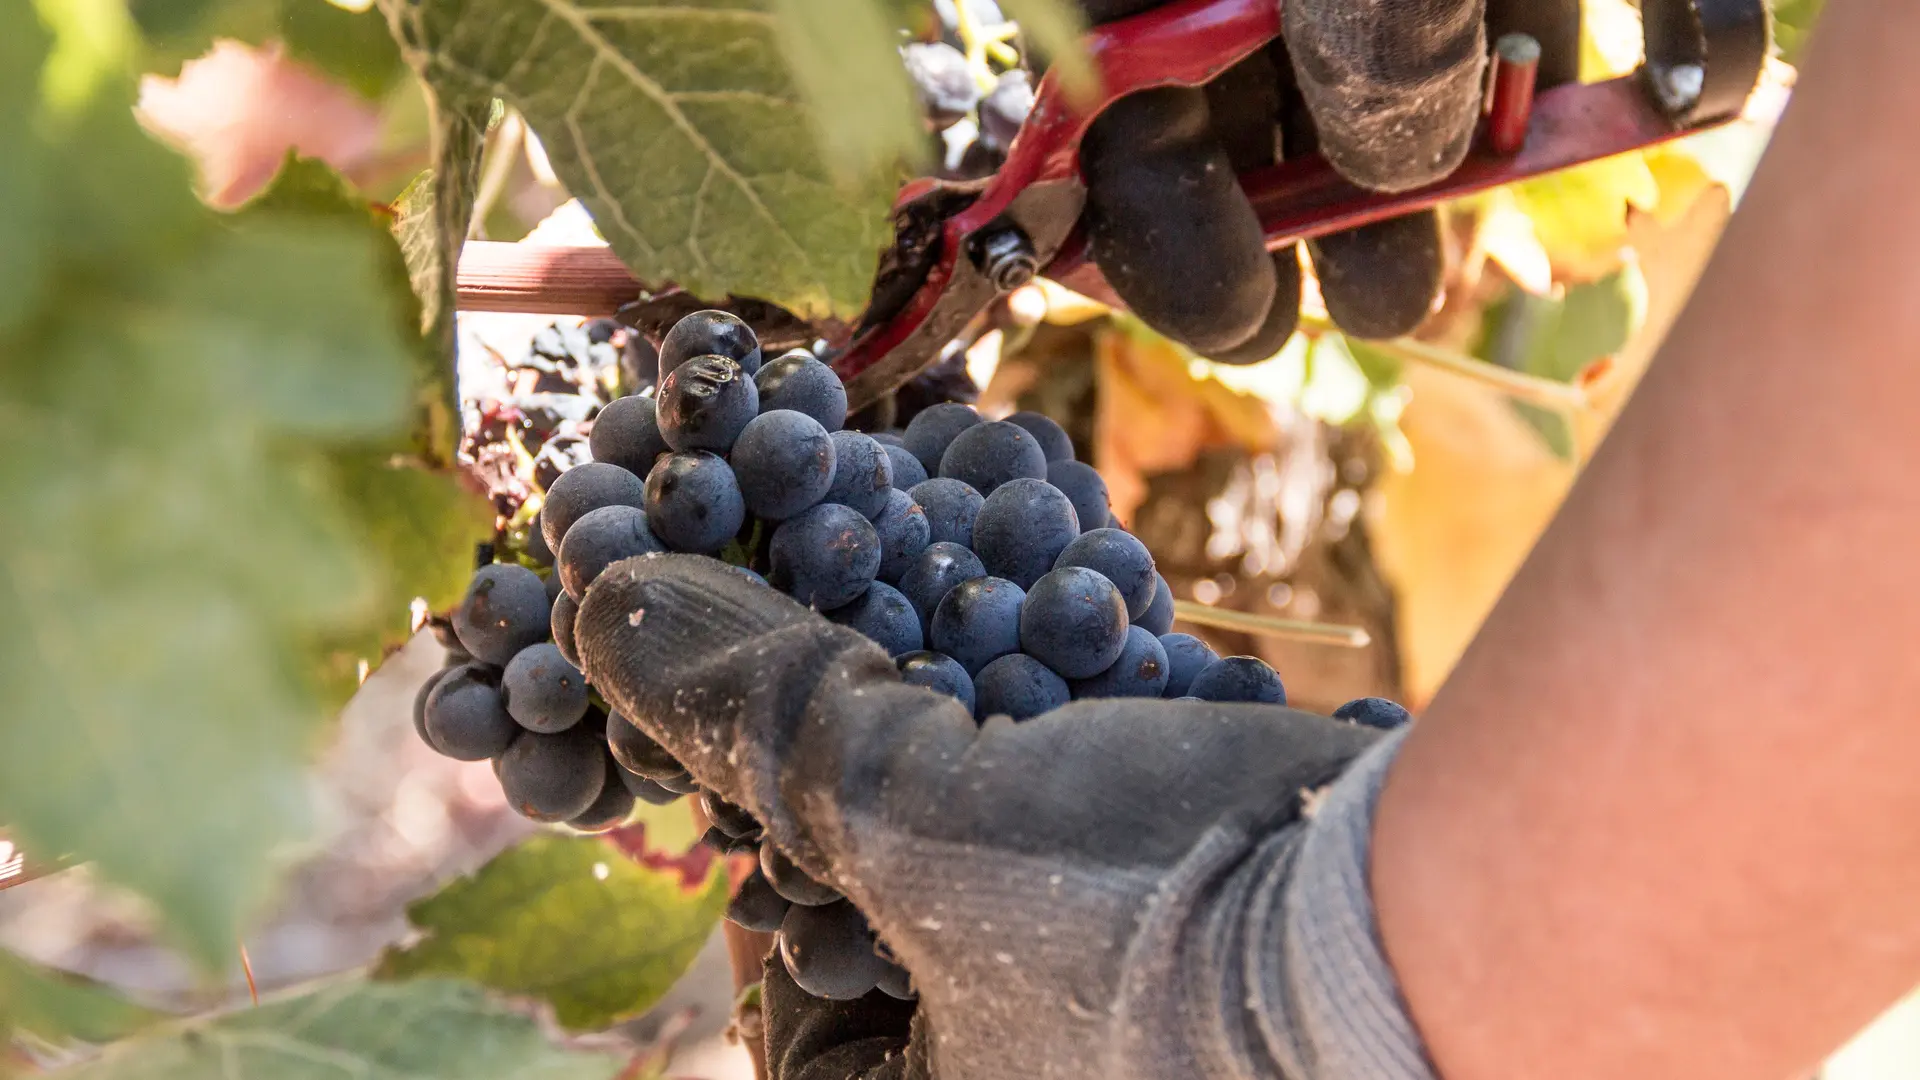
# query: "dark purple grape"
[[542, 690], [505, 610], [709, 333], [829, 951], [552, 777], [627, 433], [694, 502], [1141, 671], [600, 539], [583, 489], [465, 718], [1239, 678], [705, 403]]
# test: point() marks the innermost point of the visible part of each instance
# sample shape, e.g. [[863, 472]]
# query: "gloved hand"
[[1103, 890], [1388, 90]]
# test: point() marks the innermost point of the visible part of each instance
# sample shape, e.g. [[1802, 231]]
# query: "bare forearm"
[[1663, 821]]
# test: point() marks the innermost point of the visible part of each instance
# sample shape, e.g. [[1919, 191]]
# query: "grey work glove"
[[1101, 891], [1388, 90]]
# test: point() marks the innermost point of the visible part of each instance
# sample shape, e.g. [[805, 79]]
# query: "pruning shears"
[[959, 246]]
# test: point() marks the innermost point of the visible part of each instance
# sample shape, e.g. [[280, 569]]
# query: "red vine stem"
[[746, 953], [542, 279]]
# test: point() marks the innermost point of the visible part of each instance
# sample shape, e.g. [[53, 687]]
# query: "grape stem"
[[746, 953], [1246, 622], [1546, 393]]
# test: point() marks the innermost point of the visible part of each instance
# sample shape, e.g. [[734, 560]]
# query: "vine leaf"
[[179, 398], [572, 921], [59, 1009], [841, 53], [351, 46], [433, 1029], [430, 223], [682, 130]]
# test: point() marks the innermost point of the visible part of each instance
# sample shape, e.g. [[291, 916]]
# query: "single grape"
[[723, 844], [951, 507], [750, 575], [552, 777], [1186, 656], [542, 689], [1374, 712], [681, 782], [1004, 109], [897, 984], [1019, 686], [733, 820], [930, 433], [565, 612], [1052, 438], [1022, 529], [420, 707], [790, 881], [784, 462], [627, 433], [825, 556], [829, 951], [1141, 671], [884, 616], [756, 906], [1074, 621], [940, 73], [505, 610], [988, 455], [936, 570], [705, 404], [937, 671], [1238, 678], [1085, 489], [636, 751], [1121, 558], [694, 502], [613, 806], [646, 790], [862, 474], [1158, 618], [583, 489], [709, 333], [977, 621], [465, 718], [803, 384], [537, 548], [904, 533], [907, 470], [600, 539]]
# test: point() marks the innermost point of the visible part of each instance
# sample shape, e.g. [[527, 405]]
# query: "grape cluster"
[[978, 553]]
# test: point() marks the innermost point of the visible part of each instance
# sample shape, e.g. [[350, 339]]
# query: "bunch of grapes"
[[978, 553]]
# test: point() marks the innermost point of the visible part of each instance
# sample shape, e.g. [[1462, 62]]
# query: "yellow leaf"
[[1507, 236], [1610, 39], [1156, 411], [1580, 214]]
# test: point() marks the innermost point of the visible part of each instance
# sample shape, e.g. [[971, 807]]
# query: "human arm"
[[1661, 820]]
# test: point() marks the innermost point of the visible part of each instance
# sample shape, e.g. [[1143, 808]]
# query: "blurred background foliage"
[[1392, 485]]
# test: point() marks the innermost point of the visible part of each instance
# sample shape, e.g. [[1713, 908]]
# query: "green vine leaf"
[[351, 46], [59, 1009], [430, 221], [573, 921], [428, 1030], [683, 131], [182, 398]]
